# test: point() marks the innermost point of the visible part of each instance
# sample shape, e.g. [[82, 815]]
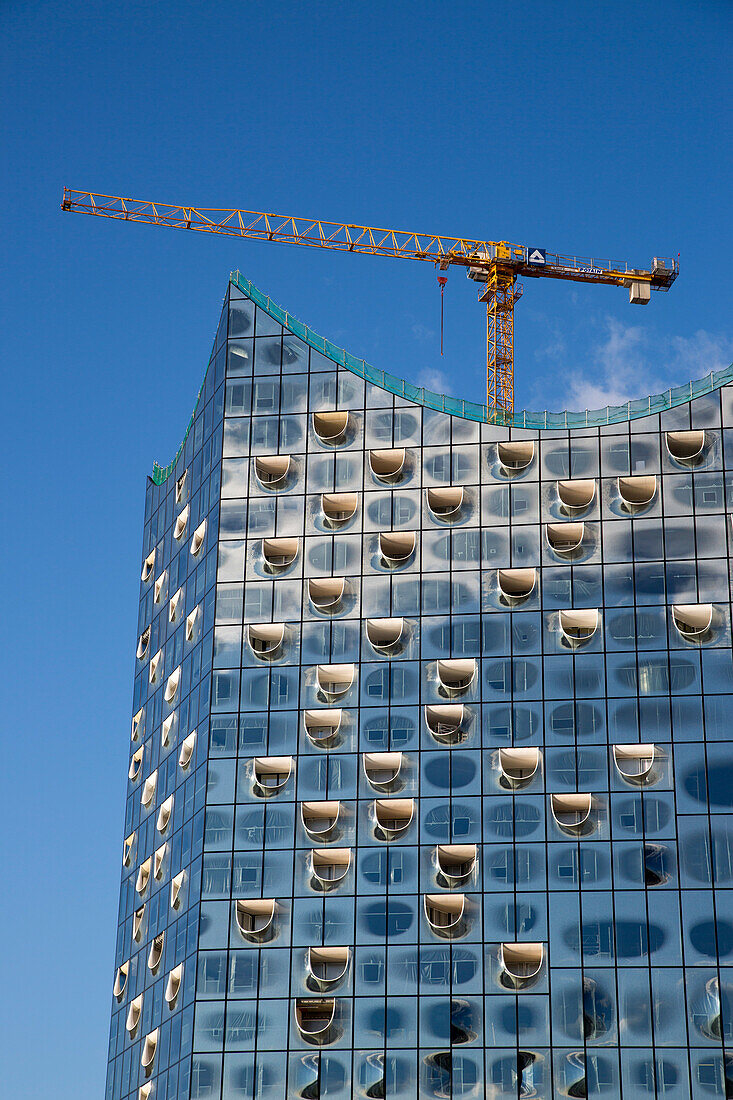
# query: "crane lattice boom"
[[497, 264]]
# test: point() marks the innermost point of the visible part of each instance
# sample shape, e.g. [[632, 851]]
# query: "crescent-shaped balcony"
[[339, 508], [388, 466], [331, 427], [266, 639], [271, 774], [397, 547], [455, 675], [393, 816], [445, 722], [515, 455], [576, 496], [326, 593], [456, 863], [323, 726], [445, 503], [518, 766], [255, 918], [272, 470], [565, 538], [383, 770], [685, 447]]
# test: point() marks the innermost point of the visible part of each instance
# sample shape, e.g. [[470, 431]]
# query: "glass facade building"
[[431, 763]]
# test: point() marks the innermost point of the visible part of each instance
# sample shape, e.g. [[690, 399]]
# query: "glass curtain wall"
[[431, 772]]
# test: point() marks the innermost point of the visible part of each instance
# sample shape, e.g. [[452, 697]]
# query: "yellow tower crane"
[[495, 264]]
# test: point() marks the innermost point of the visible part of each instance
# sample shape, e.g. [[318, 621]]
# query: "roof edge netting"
[[469, 410]]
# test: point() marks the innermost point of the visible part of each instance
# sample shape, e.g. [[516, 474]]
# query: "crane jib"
[[495, 264]]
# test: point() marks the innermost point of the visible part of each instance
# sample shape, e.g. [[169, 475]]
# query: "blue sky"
[[587, 127]]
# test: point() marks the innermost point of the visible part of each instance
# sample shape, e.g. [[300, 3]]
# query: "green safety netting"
[[469, 410]]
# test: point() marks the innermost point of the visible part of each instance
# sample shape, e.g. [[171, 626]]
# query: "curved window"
[[576, 495], [271, 773], [272, 470], [335, 680], [133, 1014], [445, 503], [149, 1048], [187, 748], [197, 539], [339, 507], [121, 980], [127, 849], [634, 762], [181, 486], [191, 620], [137, 722], [174, 605], [148, 567], [316, 1019], [693, 620], [142, 643], [165, 729], [137, 923], [519, 766], [397, 547], [326, 593], [143, 876], [382, 770], [320, 819], [156, 952], [171, 686], [330, 427], [580, 625], [571, 811], [327, 965], [266, 639], [179, 529], [329, 866], [323, 726], [159, 587], [173, 985], [279, 553], [521, 961], [385, 634], [685, 447], [165, 813], [516, 455], [158, 857], [456, 676], [445, 913], [255, 918], [176, 887], [456, 862], [388, 465], [637, 492], [136, 764], [516, 584], [148, 791], [445, 723], [393, 816], [154, 666], [564, 538]]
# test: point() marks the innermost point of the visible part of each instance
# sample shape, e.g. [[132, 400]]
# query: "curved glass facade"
[[431, 772]]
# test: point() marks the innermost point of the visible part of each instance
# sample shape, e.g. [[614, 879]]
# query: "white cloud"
[[433, 379], [625, 364], [421, 332]]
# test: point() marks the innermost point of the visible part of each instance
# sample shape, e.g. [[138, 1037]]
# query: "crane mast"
[[495, 264]]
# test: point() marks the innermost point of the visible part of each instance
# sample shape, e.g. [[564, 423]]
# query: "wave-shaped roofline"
[[469, 410]]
